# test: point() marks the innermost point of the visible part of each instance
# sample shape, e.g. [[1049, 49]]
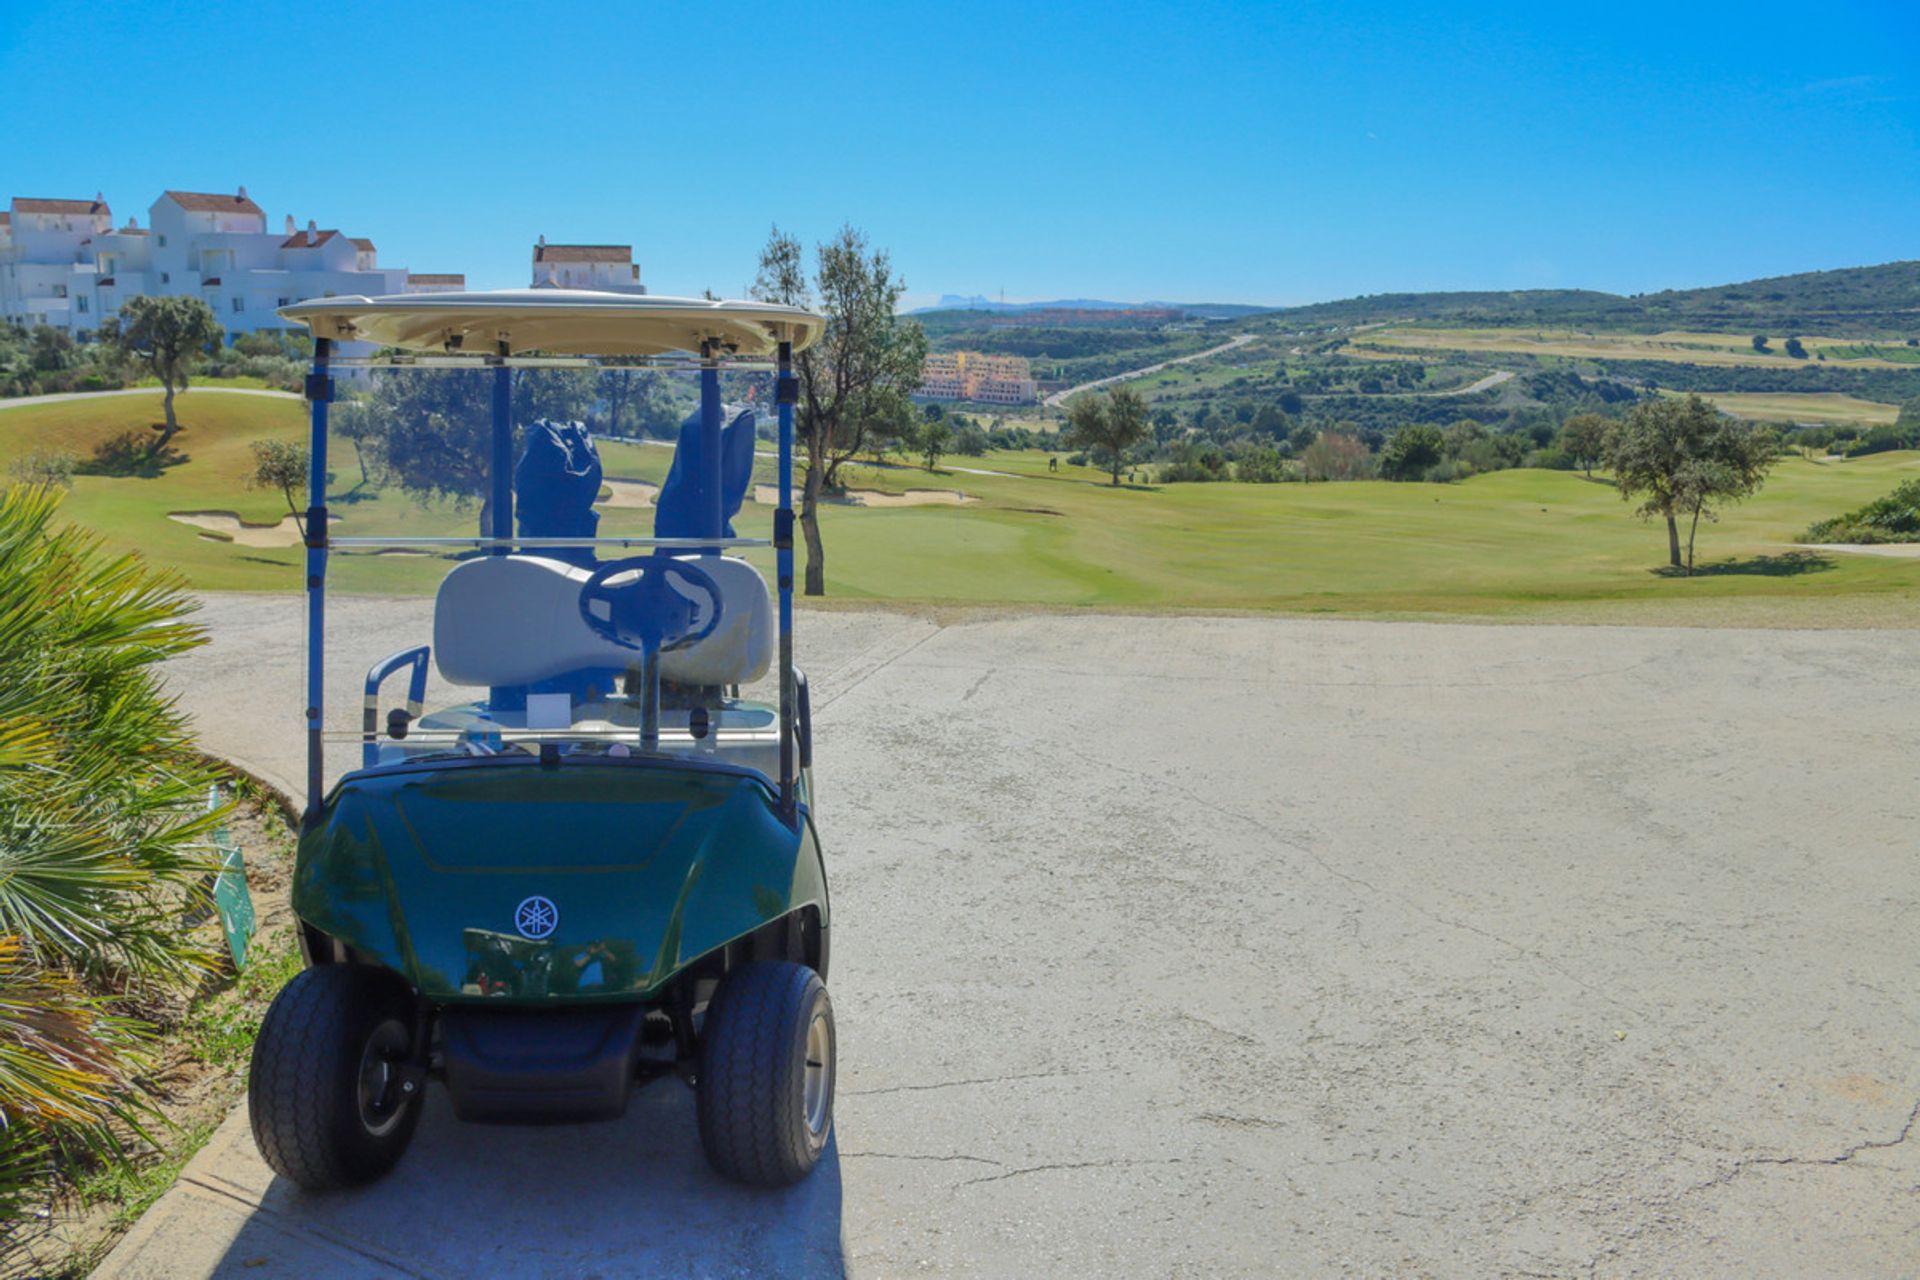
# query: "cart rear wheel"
[[766, 1074], [330, 1104]]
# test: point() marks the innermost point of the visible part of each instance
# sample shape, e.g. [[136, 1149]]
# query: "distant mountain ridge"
[[974, 302]]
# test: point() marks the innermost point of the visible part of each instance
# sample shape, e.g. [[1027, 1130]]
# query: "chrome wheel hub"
[[819, 1074]]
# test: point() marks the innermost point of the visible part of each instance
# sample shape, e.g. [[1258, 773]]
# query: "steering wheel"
[[650, 614]]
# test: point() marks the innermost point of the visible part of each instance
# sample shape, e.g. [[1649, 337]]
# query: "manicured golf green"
[[1513, 543]]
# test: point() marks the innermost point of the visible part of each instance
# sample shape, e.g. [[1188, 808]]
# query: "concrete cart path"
[[14, 402], [1231, 946]]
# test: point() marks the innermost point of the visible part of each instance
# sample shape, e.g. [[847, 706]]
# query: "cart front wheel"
[[766, 1074], [330, 1102]]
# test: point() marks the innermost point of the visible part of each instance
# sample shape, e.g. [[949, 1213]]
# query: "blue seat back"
[[555, 486], [679, 508]]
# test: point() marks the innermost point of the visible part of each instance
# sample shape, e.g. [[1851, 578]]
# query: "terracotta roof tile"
[[32, 204], [621, 253], [436, 278], [298, 240], [363, 244], [204, 202]]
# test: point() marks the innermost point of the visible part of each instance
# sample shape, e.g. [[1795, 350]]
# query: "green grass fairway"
[[1509, 544]]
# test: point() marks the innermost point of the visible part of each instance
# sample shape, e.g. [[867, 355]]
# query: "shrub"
[[1336, 455], [1894, 518], [103, 826], [1447, 472], [1260, 466], [52, 468], [1195, 463], [1411, 452], [1883, 440]]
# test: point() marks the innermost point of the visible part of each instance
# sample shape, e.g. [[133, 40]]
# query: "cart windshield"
[[591, 582]]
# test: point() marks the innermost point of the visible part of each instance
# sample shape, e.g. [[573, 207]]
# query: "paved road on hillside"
[[1059, 398], [1487, 383], [1240, 946], [14, 402]]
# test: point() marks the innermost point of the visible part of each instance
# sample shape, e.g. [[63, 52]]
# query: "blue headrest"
[[678, 510], [555, 485]]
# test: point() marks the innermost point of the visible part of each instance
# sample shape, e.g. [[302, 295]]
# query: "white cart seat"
[[515, 619]]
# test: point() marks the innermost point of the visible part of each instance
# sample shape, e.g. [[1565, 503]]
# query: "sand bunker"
[[769, 495], [1898, 550], [628, 493], [284, 534]]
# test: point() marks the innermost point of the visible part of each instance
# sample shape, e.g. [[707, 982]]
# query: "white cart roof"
[[557, 321]]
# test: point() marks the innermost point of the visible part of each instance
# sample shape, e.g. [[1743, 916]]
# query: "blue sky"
[[1201, 152]]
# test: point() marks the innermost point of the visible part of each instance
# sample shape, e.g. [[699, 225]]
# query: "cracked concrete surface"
[[1216, 946]]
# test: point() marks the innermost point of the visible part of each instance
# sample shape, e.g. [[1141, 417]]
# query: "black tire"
[[312, 1119], [755, 1119]]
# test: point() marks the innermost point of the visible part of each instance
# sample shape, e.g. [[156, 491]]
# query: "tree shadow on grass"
[[361, 492], [131, 455], [1788, 564]]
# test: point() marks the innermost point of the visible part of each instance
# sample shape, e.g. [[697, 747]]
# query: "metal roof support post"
[[319, 394], [501, 470], [786, 394], [708, 472]]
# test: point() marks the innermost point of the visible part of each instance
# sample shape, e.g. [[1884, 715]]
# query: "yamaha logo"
[[536, 918]]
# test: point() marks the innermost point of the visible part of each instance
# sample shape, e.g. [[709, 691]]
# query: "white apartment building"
[[63, 262], [607, 267]]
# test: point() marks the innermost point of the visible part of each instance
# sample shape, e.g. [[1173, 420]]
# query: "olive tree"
[[1583, 437], [1107, 426], [168, 335], [1681, 457], [859, 373], [933, 439], [281, 465]]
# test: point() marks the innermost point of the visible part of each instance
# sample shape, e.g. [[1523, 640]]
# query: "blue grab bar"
[[377, 676]]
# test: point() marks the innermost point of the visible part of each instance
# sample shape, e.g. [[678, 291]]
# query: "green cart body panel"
[[649, 866]]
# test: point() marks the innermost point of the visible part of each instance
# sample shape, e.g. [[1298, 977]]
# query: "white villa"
[[63, 262], [607, 267]]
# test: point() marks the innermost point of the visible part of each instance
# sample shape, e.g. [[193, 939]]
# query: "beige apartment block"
[[973, 376]]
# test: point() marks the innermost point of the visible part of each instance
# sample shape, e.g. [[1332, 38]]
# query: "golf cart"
[[598, 865]]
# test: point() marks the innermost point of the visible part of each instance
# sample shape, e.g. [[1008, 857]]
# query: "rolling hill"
[[1883, 299]]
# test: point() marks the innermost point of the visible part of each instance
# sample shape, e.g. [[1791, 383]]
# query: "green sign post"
[[230, 896]]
